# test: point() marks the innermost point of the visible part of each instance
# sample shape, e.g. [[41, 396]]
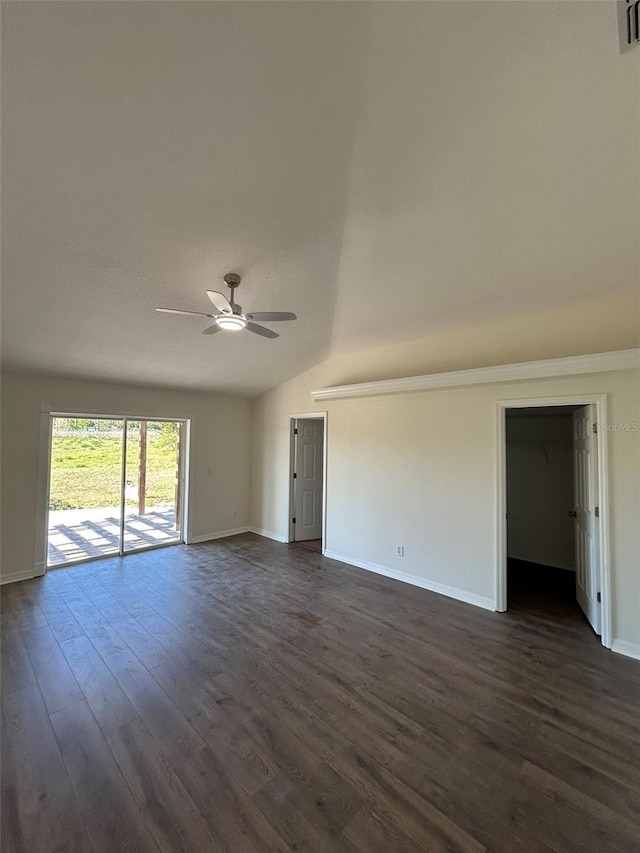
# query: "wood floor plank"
[[15, 667], [175, 736], [227, 806], [39, 810], [585, 820], [96, 626], [136, 637], [277, 803], [244, 696], [101, 690], [178, 644], [171, 814], [378, 786], [188, 692], [61, 620], [57, 683], [113, 819], [315, 788], [218, 725], [376, 831]]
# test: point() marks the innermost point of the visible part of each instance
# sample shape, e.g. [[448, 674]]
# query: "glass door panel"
[[152, 484], [84, 488]]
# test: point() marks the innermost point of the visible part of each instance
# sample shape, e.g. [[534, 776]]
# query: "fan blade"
[[220, 301], [178, 311], [211, 330], [262, 330], [272, 316]]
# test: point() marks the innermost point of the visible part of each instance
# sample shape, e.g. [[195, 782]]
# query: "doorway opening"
[[307, 480], [116, 485], [552, 504]]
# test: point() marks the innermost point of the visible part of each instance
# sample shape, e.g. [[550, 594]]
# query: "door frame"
[[600, 401], [316, 416], [47, 413]]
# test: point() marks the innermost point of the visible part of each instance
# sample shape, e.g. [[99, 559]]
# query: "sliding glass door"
[[152, 484], [84, 488], [115, 486]]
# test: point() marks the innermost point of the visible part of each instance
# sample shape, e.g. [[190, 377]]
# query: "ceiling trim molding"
[[601, 362]]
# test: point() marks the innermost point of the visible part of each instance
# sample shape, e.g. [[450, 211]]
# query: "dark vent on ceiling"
[[629, 23]]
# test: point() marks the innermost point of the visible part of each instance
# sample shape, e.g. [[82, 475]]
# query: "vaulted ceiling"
[[385, 170]]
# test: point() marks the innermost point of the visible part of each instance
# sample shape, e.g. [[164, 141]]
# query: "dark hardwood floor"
[[312, 544], [249, 696], [543, 590]]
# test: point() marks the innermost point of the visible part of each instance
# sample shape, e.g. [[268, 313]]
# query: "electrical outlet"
[[399, 550]]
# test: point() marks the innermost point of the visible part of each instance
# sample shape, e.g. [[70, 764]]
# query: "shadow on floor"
[[310, 544], [543, 591], [78, 538]]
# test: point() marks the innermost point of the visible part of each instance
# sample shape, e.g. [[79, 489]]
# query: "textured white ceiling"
[[495, 167], [150, 148], [385, 170]]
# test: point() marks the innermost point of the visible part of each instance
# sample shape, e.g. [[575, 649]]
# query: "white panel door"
[[585, 472], [308, 480]]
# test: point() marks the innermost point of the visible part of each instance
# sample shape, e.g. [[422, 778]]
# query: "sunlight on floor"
[[77, 534]]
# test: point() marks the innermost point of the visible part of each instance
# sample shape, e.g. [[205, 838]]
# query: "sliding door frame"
[[123, 485], [47, 413]]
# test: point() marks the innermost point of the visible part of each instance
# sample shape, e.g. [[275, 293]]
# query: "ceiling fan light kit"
[[230, 317], [231, 322]]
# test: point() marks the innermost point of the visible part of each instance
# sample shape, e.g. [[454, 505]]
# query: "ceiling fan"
[[229, 316]]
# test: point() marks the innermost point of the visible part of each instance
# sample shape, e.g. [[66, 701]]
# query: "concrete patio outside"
[[77, 534]]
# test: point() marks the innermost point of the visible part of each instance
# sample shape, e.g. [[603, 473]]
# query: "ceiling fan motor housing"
[[232, 279]]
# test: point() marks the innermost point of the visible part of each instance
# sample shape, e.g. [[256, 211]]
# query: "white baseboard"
[[553, 564], [269, 534], [630, 650], [432, 586], [221, 534], [14, 577]]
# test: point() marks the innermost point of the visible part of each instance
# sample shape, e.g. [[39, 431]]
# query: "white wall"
[[540, 490], [419, 470], [221, 442]]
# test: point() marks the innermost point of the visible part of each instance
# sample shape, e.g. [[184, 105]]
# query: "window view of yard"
[[86, 464], [86, 481]]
